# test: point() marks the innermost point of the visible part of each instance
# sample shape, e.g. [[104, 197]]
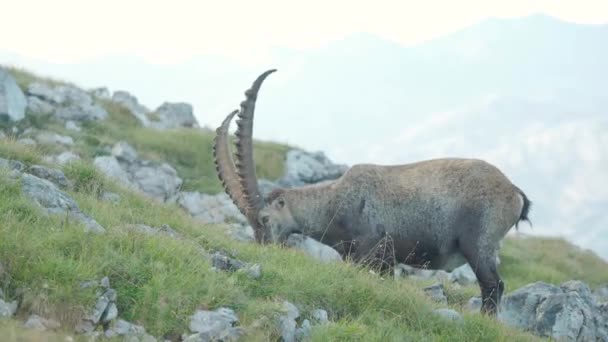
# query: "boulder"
[[50, 174], [175, 115], [303, 168], [7, 309], [210, 208], [36, 322], [217, 325], [68, 102], [36, 105], [56, 202], [109, 166], [568, 312], [313, 248], [131, 103], [435, 292], [12, 99], [128, 332], [287, 322]]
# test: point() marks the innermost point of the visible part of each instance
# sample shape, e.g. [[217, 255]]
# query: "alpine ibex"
[[437, 213]]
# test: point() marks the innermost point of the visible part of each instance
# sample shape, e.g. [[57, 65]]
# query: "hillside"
[[159, 255]]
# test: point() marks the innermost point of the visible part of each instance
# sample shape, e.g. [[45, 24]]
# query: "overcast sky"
[[67, 31]]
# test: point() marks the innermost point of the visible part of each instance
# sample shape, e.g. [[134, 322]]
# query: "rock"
[[11, 164], [54, 139], [72, 126], [81, 112], [110, 314], [474, 304], [601, 293], [210, 208], [568, 312], [287, 322], [84, 327], [435, 292], [12, 99], [320, 316], [159, 182], [448, 314], [111, 197], [303, 167], [69, 102], [101, 93], [225, 263], [164, 230], [175, 115], [303, 332], [128, 331], [62, 158], [313, 248], [109, 166], [56, 202], [53, 175], [26, 141], [241, 232], [7, 310], [254, 271], [130, 102], [124, 152], [46, 93], [41, 324], [105, 282], [39, 106], [463, 275], [214, 325]]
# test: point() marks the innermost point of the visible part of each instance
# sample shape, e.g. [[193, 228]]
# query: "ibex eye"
[[281, 203]]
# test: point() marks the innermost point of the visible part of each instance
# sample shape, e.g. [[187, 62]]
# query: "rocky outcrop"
[[12, 99], [303, 168], [131, 103], [565, 313], [218, 325], [157, 180], [174, 115], [64, 102]]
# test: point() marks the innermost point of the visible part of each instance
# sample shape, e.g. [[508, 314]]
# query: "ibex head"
[[267, 218]]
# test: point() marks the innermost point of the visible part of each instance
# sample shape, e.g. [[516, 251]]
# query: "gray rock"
[[320, 316], [214, 325], [62, 158], [56, 202], [72, 126], [313, 248], [225, 263], [111, 313], [39, 106], [474, 304], [463, 275], [109, 166], [84, 327], [11, 164], [308, 168], [568, 312], [241, 232], [601, 293], [71, 103], [12, 99], [46, 93], [53, 175], [303, 331], [287, 322], [163, 230], [105, 282], [435, 292], [254, 271], [128, 331], [101, 93], [7, 309], [124, 152], [130, 102], [36, 322], [54, 139], [448, 314], [159, 182], [210, 208], [175, 115]]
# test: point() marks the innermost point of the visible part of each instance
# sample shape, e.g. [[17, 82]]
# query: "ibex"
[[436, 213]]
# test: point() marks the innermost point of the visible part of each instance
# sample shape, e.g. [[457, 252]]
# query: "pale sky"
[[66, 31]]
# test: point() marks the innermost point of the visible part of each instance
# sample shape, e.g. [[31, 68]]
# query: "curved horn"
[[244, 152], [224, 164]]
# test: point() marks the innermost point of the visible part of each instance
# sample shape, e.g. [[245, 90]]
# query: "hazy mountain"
[[529, 95]]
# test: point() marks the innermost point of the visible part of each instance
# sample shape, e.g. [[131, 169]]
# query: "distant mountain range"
[[529, 95]]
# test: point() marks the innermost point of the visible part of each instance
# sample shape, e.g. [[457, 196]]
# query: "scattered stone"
[[225, 263], [568, 312], [448, 314], [130, 102], [111, 197], [7, 309], [36, 322], [435, 292], [54, 139], [53, 175], [12, 99], [287, 322], [101, 92], [303, 332], [105, 282], [175, 115], [254, 271], [38, 106], [124, 152], [109, 166], [72, 126], [11, 164], [313, 248], [217, 325], [320, 316], [128, 331], [474, 304], [69, 102], [601, 293], [62, 158], [303, 167], [463, 275], [165, 229], [56, 202]]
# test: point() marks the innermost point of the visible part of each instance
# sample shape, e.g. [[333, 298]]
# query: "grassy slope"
[[161, 281]]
